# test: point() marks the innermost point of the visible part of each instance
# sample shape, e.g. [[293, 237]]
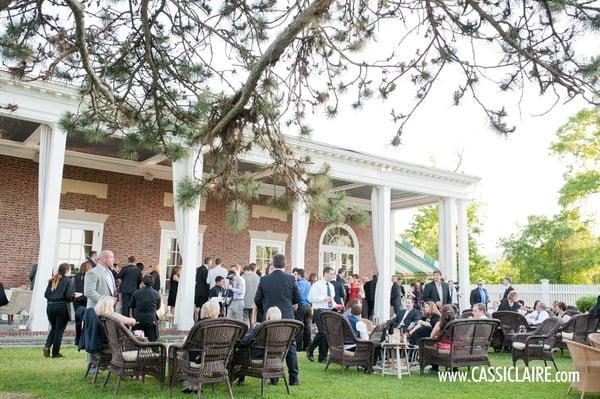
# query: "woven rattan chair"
[[99, 361], [339, 333], [20, 300], [466, 314], [273, 339], [510, 323], [130, 356], [204, 356], [470, 340], [576, 329], [537, 345], [594, 339], [586, 361]]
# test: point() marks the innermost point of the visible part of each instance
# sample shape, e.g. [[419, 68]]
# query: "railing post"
[[545, 291]]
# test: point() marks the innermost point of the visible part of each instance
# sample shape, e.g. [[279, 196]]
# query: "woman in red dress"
[[356, 290]]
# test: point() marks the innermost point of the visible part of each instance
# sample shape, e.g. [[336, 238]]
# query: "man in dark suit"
[[436, 290], [279, 289], [479, 295], [341, 281], [202, 287], [507, 287], [405, 317], [131, 278], [370, 287], [396, 295], [144, 304]]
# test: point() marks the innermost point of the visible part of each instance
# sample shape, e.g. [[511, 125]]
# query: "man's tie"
[[329, 293]]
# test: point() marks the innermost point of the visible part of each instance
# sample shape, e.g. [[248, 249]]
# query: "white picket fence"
[[567, 293]]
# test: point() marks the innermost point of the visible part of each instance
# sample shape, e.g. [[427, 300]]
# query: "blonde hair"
[[210, 310], [512, 296], [105, 306], [273, 313]]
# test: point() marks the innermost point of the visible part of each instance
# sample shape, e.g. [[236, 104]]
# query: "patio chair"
[[466, 314], [470, 340], [339, 333], [273, 339], [510, 323], [20, 300], [537, 345], [130, 356], [204, 356], [99, 361], [594, 339], [577, 329], [572, 312], [586, 361]]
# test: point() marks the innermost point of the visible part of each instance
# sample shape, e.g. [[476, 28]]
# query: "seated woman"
[[560, 309], [424, 327], [106, 307], [510, 303], [273, 313], [444, 343]]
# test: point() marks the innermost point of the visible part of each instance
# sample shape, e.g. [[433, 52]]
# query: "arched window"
[[338, 248]]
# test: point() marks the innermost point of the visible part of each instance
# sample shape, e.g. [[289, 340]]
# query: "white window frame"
[[96, 227], [260, 242], [355, 251], [167, 234]]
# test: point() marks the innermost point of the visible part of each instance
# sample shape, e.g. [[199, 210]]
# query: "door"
[[76, 239]]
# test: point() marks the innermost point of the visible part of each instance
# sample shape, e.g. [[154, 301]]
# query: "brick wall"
[[134, 206]]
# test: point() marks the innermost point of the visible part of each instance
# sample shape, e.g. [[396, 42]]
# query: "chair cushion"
[[443, 351], [130, 356], [349, 353], [567, 335], [521, 346]]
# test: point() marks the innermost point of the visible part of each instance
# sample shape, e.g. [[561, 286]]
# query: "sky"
[[519, 176]]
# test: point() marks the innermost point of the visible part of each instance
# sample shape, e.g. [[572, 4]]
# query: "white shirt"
[[537, 317], [213, 273], [318, 294], [361, 327]]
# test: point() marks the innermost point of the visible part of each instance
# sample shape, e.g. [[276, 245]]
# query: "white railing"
[[567, 293]]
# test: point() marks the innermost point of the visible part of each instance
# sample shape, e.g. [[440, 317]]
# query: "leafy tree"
[[562, 249], [230, 75], [424, 232], [579, 143]]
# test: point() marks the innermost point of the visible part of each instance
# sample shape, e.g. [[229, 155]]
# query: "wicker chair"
[[211, 343], [466, 314], [470, 340], [130, 356], [586, 361], [577, 329], [594, 339], [510, 322], [99, 361], [339, 332], [20, 300], [273, 338], [537, 345]]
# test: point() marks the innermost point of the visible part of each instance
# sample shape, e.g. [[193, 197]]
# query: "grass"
[[25, 373]]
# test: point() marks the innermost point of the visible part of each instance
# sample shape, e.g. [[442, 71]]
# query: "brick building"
[[63, 197]]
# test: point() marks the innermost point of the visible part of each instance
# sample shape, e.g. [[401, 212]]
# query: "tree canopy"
[[230, 75]]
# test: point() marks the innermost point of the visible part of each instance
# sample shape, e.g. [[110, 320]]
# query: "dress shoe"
[[322, 361], [310, 356], [57, 355], [295, 382], [46, 352]]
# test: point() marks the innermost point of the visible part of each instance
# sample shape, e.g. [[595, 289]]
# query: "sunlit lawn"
[[26, 373]]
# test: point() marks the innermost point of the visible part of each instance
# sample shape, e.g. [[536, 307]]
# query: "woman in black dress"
[[424, 327], [59, 293], [510, 303], [80, 301], [174, 285]]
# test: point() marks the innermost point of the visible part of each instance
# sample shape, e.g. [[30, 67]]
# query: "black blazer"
[[397, 293], [370, 288], [413, 316], [278, 289], [202, 287], [430, 293], [145, 302], [507, 290], [131, 278], [476, 297], [338, 296], [3, 298], [63, 293]]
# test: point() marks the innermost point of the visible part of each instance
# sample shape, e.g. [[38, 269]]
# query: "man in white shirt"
[[538, 315], [218, 270], [321, 296]]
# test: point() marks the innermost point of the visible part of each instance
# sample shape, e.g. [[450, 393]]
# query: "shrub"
[[585, 303]]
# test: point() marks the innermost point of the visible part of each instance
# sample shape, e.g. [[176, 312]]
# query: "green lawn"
[[25, 373]]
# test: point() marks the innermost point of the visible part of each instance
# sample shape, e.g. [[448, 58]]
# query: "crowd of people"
[[131, 293]]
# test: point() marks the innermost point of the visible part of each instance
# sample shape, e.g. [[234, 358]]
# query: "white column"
[[450, 239], [463, 253], [300, 221], [52, 159], [381, 222], [186, 225], [441, 237], [393, 238]]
